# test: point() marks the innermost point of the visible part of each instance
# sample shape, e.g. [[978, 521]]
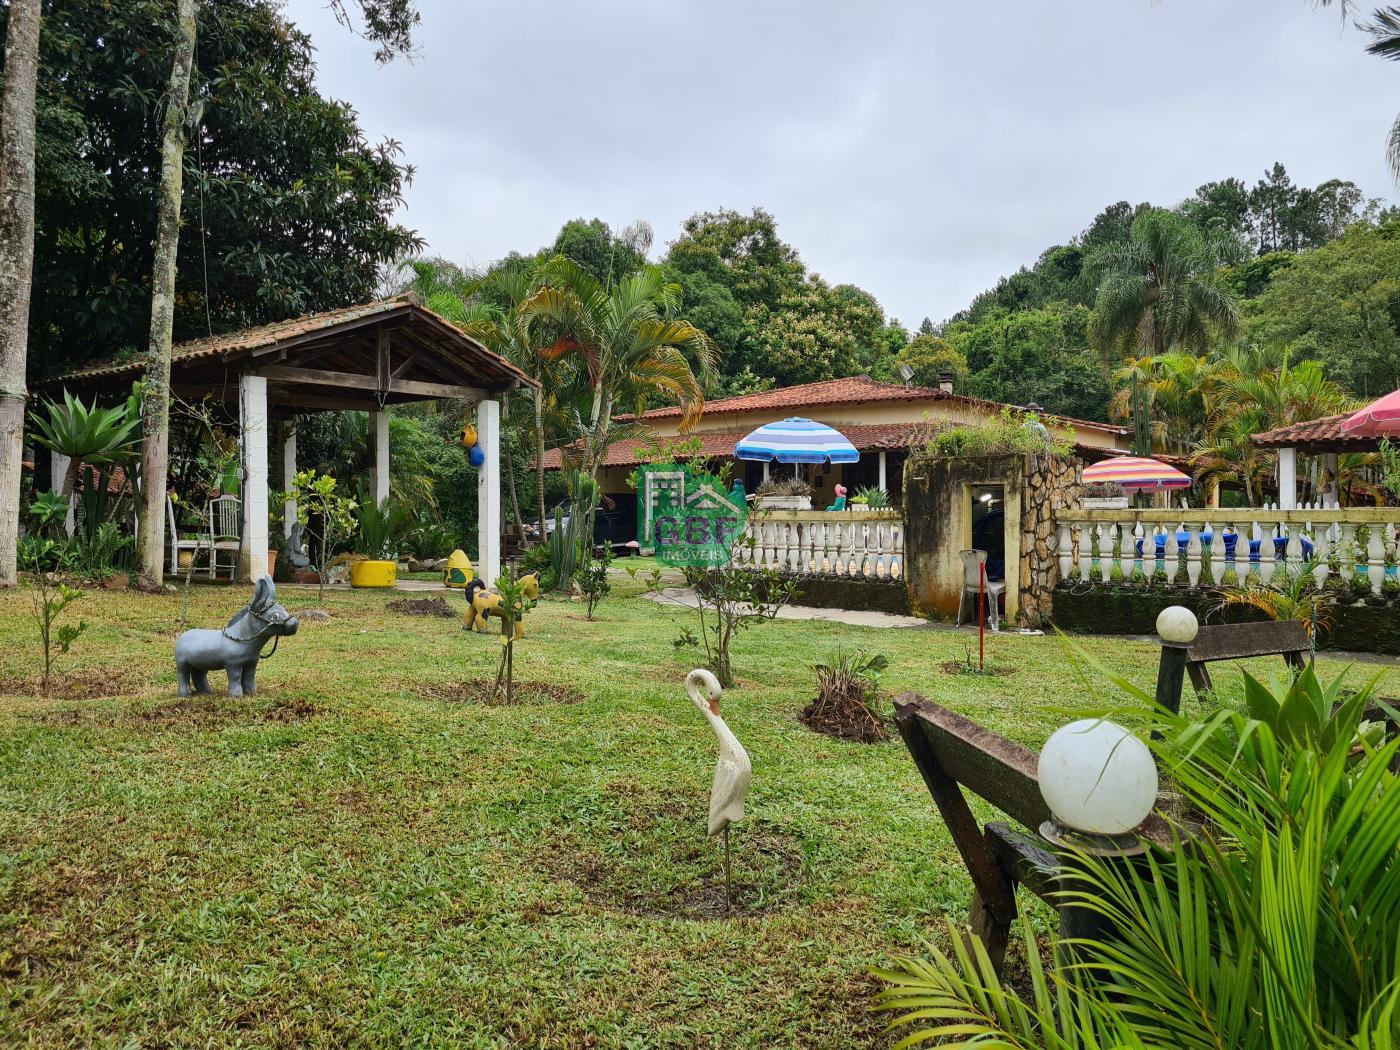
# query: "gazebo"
[[359, 358], [1317, 437]]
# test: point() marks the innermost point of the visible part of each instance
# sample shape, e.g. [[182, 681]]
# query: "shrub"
[[1010, 433], [872, 496], [1277, 925], [787, 485], [848, 690]]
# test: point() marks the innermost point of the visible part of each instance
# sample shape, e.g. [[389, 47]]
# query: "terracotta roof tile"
[[232, 344], [870, 438], [1324, 431], [852, 390]]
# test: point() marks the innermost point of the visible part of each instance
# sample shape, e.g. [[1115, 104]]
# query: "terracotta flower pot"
[[271, 562]]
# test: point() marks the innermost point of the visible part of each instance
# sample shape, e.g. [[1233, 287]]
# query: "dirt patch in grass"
[[479, 691], [91, 684], [423, 607], [192, 712], [989, 671], [845, 718], [664, 867]]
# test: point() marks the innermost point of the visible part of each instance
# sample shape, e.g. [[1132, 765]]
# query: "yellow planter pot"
[[374, 574]]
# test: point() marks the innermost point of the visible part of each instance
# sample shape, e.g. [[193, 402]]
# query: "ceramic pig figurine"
[[235, 649]]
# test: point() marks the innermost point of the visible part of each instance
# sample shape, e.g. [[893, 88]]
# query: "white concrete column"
[[766, 465], [883, 485], [379, 427], [289, 475], [1287, 478], [252, 396], [488, 492], [1334, 484]]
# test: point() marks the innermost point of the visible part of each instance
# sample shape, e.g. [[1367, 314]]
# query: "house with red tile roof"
[[883, 420]]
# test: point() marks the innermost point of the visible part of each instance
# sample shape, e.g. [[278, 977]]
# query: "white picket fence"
[[1205, 547], [831, 543]]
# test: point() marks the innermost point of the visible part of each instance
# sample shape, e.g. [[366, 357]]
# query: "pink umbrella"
[[1378, 419]]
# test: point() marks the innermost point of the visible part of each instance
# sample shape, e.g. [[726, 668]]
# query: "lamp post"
[[1177, 626], [1100, 783]]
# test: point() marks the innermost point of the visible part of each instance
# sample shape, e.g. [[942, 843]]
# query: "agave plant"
[[88, 434], [1276, 925]]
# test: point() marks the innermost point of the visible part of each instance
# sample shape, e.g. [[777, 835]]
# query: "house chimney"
[[945, 382]]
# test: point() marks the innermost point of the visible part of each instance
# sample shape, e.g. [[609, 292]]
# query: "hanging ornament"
[[468, 435], [475, 456]]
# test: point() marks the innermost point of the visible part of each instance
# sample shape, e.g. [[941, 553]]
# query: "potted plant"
[[274, 547], [382, 525], [1105, 495], [787, 493]]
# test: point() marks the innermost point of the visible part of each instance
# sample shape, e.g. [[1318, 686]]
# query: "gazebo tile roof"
[[246, 341], [1326, 431]]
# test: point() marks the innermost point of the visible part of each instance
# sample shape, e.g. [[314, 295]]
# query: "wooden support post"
[[379, 426], [253, 423], [1171, 676], [488, 491]]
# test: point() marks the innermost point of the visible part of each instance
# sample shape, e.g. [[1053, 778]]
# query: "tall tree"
[[16, 260], [1160, 290], [155, 451]]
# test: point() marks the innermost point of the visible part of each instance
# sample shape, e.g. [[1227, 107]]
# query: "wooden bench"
[[954, 753], [1233, 641]]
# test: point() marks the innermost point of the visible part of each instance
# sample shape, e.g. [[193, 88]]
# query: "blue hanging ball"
[[475, 456]]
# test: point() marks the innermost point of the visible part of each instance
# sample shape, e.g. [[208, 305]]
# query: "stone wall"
[[1052, 482]]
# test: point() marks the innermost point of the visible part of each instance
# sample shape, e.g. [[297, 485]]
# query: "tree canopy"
[[287, 207]]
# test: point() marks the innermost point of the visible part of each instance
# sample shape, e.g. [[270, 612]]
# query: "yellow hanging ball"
[[458, 572], [468, 435]]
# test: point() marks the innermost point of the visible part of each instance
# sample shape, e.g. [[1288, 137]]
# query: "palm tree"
[[1159, 291], [629, 343], [1385, 43]]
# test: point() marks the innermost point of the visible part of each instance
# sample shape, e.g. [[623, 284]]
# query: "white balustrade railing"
[[830, 543], [1202, 548]]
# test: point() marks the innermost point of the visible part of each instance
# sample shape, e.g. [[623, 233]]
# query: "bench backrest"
[[985, 763], [1239, 641]]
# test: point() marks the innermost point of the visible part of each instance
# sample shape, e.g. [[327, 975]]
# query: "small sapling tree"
[[326, 515], [51, 594], [515, 603], [593, 580]]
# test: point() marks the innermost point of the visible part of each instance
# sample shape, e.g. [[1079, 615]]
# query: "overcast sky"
[[920, 150]]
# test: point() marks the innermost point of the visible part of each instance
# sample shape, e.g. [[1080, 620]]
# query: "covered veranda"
[[360, 358], [1325, 442]]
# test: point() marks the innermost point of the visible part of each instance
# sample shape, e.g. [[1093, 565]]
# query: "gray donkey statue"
[[237, 648]]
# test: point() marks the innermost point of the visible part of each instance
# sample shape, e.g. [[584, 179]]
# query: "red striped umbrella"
[[1378, 419], [1136, 474]]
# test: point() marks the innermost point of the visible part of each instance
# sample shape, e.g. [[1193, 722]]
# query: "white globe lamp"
[[1097, 778], [1178, 625]]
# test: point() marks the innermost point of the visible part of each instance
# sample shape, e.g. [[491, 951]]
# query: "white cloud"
[[919, 150]]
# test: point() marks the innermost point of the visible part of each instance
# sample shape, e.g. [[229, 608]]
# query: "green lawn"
[[351, 857]]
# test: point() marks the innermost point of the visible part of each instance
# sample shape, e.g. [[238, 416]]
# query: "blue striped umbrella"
[[797, 440]]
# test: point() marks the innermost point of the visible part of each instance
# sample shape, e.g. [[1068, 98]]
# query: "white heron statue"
[[733, 771]]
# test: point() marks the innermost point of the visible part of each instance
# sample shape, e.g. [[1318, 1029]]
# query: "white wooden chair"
[[225, 531], [200, 542]]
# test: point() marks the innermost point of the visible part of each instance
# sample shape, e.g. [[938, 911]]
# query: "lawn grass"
[[348, 858]]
